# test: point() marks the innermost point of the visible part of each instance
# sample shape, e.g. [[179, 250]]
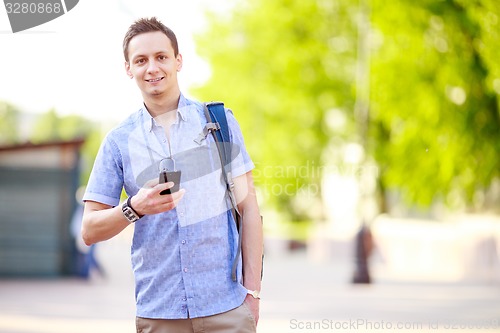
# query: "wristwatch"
[[129, 213], [254, 293]]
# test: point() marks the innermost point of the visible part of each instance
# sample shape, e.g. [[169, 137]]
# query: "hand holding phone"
[[170, 176]]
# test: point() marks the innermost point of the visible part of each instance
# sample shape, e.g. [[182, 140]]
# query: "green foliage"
[[46, 128], [9, 119], [434, 112], [288, 70], [51, 127], [281, 65]]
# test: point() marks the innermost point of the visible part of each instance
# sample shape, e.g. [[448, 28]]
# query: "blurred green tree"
[[435, 125], [50, 126], [288, 69], [9, 115], [46, 128], [281, 66]]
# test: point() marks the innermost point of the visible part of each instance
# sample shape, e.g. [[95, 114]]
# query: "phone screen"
[[170, 176]]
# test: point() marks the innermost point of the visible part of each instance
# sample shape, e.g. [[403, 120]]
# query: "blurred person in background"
[[85, 257], [363, 248], [184, 244]]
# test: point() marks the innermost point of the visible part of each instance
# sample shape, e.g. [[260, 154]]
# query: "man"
[[185, 242]]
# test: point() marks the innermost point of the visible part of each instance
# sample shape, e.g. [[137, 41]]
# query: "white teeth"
[[155, 80]]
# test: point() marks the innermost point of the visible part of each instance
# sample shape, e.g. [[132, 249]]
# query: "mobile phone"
[[170, 176]]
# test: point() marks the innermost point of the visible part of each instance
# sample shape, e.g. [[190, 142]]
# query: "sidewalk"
[[297, 296]]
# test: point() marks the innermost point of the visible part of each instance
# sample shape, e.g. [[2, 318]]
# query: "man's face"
[[153, 64]]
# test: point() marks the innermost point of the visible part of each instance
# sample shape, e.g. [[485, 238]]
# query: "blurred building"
[[37, 199]]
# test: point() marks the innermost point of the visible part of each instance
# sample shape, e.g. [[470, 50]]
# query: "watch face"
[[254, 293], [129, 213]]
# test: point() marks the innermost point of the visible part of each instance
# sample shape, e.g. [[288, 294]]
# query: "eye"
[[140, 61], [162, 57]]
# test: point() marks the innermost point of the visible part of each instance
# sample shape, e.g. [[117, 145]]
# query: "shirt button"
[[185, 270], [183, 241], [184, 299]]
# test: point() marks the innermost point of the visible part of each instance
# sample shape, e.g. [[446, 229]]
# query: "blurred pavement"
[[298, 296]]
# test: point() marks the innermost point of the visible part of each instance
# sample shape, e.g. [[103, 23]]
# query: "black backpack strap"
[[218, 126]]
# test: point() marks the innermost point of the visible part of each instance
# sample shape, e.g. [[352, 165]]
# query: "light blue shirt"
[[181, 258]]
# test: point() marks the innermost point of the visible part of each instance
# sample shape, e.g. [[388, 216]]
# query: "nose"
[[152, 66]]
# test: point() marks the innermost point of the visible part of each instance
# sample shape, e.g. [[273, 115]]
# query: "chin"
[[156, 92]]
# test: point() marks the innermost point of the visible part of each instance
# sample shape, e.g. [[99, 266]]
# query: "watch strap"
[[129, 213], [254, 293], [129, 203]]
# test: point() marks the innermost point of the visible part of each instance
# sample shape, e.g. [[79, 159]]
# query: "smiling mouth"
[[155, 80]]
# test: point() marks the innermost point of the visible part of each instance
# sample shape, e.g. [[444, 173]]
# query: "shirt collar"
[[183, 107], [182, 111]]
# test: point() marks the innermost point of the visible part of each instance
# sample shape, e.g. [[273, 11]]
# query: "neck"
[[159, 105]]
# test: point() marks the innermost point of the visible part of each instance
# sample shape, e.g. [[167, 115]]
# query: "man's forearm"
[[252, 247], [252, 237], [101, 222]]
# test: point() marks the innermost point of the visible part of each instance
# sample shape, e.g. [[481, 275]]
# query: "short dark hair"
[[144, 25]]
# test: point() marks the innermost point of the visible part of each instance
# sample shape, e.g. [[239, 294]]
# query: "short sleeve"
[[106, 179]]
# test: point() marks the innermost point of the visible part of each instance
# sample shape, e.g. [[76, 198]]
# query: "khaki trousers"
[[239, 320]]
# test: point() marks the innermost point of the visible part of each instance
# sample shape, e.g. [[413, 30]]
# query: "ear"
[[179, 62], [127, 70]]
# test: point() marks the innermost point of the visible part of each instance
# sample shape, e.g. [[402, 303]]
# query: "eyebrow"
[[143, 55]]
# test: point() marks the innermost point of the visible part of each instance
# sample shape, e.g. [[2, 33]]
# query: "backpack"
[[217, 125]]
